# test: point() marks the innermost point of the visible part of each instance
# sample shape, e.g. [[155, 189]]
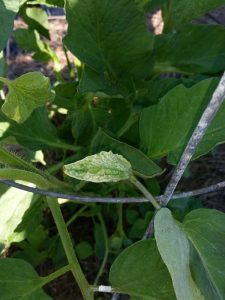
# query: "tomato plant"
[[120, 123]]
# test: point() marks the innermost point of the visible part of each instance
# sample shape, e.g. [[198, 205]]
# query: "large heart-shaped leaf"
[[140, 272], [26, 93], [111, 37], [189, 51], [174, 248], [205, 229], [19, 281], [166, 127]]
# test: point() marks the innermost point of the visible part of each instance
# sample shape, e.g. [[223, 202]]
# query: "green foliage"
[[26, 93], [139, 271], [117, 115], [175, 251], [20, 281]]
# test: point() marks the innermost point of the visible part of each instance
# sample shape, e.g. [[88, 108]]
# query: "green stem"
[[56, 274], [69, 250], [102, 267], [16, 174], [145, 192], [76, 215], [120, 220], [55, 168]]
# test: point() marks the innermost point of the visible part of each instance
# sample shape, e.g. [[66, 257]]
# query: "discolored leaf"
[[101, 167], [26, 93], [141, 164]]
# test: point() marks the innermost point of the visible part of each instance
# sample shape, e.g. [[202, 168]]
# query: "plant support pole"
[[200, 130]]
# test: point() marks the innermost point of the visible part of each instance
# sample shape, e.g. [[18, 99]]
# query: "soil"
[[205, 171]]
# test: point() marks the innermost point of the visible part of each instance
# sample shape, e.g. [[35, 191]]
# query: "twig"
[[200, 130], [87, 199]]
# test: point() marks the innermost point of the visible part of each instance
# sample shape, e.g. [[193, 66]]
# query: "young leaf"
[[26, 93], [178, 113], [174, 248], [8, 11], [205, 229], [141, 164], [139, 271], [101, 167], [18, 280]]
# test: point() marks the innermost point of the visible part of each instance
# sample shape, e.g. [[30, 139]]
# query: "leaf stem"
[[69, 250], [145, 192], [56, 274], [102, 267]]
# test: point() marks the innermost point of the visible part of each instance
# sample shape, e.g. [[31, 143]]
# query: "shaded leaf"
[[93, 31], [19, 281], [205, 229], [101, 167], [141, 164], [165, 128], [35, 133], [174, 248], [26, 93], [8, 11], [189, 51], [139, 271], [181, 11]]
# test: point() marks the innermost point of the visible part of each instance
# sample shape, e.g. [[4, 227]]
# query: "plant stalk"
[[145, 192], [69, 250]]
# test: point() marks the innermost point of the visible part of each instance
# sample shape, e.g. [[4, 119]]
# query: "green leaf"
[[141, 164], [14, 203], [139, 271], [8, 11], [26, 93], [111, 37], [165, 128], [174, 248], [181, 11], [189, 51], [205, 229], [84, 250], [37, 19], [36, 133], [19, 281], [92, 81], [101, 167]]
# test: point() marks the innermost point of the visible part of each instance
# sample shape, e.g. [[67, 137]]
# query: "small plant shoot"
[[105, 123]]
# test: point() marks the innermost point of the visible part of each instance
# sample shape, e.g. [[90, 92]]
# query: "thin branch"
[[87, 199], [199, 132]]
